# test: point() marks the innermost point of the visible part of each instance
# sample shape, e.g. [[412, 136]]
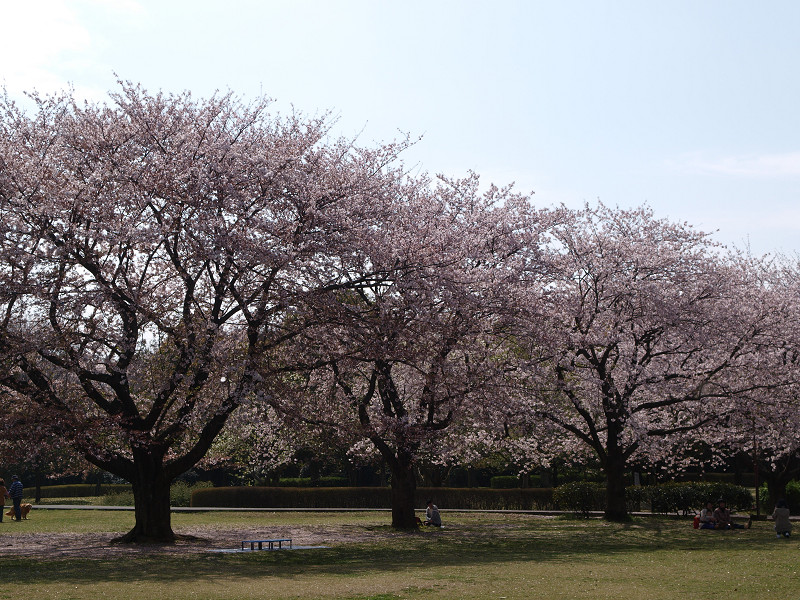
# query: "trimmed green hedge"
[[79, 490], [306, 482], [372, 497], [119, 494], [689, 497], [580, 497], [679, 498]]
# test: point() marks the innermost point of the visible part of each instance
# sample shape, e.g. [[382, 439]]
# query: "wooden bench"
[[270, 543]]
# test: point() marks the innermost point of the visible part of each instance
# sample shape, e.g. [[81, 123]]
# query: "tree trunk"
[[777, 476], [404, 486], [38, 498], [776, 487], [616, 506], [151, 502]]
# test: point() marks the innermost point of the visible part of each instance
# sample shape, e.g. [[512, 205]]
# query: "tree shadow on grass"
[[465, 546]]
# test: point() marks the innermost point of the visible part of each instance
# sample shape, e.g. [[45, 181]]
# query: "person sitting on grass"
[[783, 527], [722, 516], [707, 520], [432, 516]]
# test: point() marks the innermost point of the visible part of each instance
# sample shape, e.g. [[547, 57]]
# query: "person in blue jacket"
[[15, 492]]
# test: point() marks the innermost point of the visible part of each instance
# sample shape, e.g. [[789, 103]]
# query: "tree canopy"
[[156, 246], [167, 261]]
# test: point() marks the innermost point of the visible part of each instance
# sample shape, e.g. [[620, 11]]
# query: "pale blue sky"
[[689, 106]]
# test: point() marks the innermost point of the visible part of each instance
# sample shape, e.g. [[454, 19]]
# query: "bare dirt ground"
[[193, 540]]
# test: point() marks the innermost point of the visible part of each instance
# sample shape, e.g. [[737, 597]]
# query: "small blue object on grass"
[[269, 543]]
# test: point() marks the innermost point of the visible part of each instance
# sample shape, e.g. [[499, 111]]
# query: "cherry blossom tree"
[[763, 423], [33, 442], [254, 443], [152, 248], [257, 444], [650, 325], [414, 348]]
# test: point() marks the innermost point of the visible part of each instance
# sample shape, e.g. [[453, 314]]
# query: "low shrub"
[[291, 497], [79, 490], [489, 499], [580, 497], [689, 497], [792, 496], [180, 492], [665, 498], [534, 481], [306, 482], [373, 497]]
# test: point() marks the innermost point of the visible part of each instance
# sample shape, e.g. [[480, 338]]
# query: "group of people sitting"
[[710, 517], [720, 518]]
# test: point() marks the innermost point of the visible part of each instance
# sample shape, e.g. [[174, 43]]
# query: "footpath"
[[539, 513]]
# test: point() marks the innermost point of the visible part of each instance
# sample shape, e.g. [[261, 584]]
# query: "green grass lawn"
[[476, 556]]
